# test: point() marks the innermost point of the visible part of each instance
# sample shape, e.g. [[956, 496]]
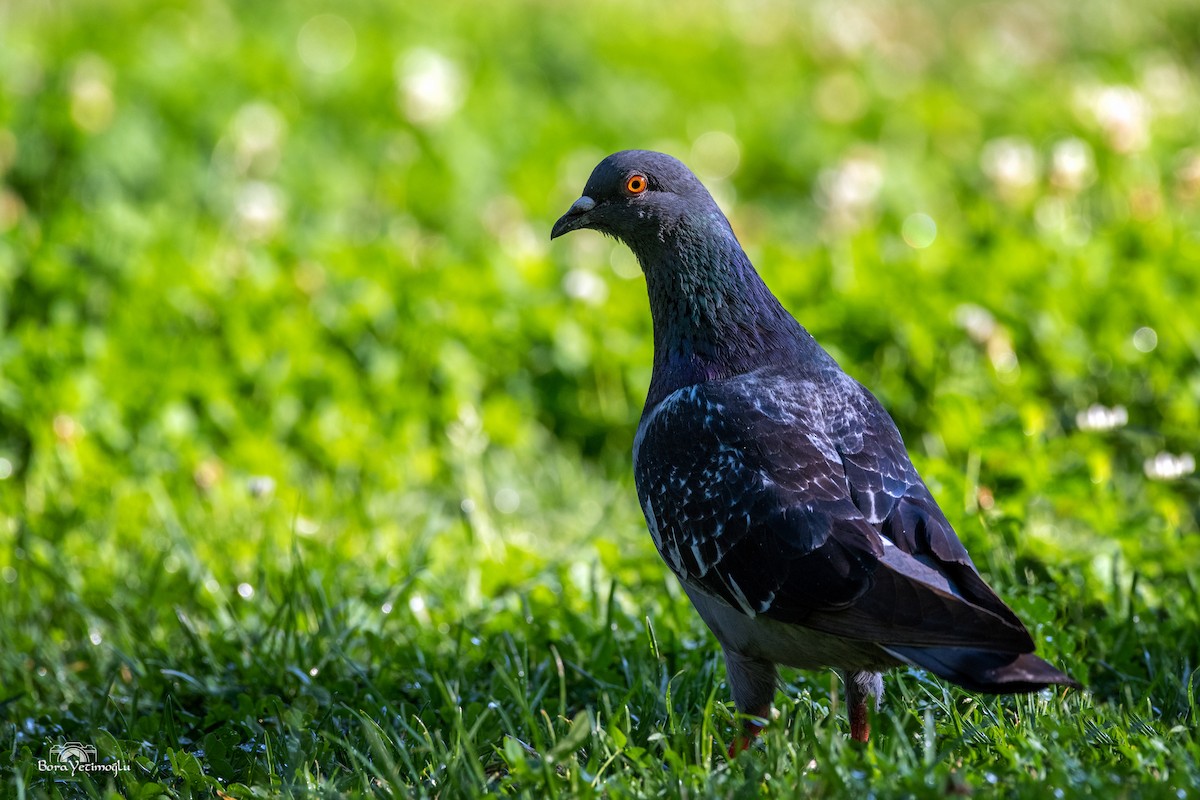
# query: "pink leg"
[[752, 683], [750, 731], [860, 724], [861, 688]]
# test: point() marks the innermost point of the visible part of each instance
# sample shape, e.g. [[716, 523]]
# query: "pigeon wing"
[[886, 488], [748, 499]]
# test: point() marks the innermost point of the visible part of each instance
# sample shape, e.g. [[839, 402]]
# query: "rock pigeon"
[[776, 487]]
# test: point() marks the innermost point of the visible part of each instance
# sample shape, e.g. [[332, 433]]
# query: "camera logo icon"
[[76, 757], [73, 753]]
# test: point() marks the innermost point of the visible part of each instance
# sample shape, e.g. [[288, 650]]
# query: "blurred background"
[[276, 283], [307, 245]]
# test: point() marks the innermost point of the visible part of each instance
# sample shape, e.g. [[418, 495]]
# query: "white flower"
[[1071, 165], [1010, 163]]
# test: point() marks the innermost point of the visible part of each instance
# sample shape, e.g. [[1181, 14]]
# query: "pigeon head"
[[713, 315], [645, 199]]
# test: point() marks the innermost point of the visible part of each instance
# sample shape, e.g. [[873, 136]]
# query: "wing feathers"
[[777, 496], [985, 670]]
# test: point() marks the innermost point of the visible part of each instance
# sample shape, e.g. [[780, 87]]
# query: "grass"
[[314, 468]]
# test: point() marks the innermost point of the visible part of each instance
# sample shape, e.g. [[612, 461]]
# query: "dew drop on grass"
[[95, 637], [386, 608], [245, 590], [6, 468]]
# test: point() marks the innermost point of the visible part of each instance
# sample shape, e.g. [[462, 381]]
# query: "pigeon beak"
[[575, 218]]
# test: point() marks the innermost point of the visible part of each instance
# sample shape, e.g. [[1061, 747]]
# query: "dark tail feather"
[[985, 671]]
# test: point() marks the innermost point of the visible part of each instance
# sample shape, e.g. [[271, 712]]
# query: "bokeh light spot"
[[715, 155], [840, 98], [507, 500], [1169, 467], [92, 102], [1145, 339], [431, 86], [1011, 163], [919, 230], [326, 44]]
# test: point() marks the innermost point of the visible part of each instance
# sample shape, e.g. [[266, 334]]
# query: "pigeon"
[[776, 487]]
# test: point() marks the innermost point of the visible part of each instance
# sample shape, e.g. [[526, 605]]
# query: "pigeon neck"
[[713, 315]]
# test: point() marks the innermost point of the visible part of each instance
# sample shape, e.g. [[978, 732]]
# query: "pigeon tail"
[[986, 671]]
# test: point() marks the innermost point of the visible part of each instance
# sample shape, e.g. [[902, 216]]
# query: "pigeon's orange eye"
[[636, 184]]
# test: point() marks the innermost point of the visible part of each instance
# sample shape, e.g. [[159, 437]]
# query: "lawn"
[[314, 450]]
